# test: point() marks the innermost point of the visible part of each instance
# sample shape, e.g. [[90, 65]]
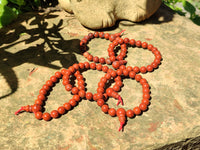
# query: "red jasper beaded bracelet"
[[125, 43], [107, 36], [112, 92], [103, 92], [154, 50], [78, 92], [39, 102]]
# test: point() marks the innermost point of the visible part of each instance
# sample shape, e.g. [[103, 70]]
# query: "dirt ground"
[[36, 45]]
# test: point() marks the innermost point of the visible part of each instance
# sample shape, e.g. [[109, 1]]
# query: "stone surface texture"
[[104, 13], [36, 45]]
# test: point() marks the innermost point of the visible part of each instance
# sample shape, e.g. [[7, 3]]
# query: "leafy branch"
[[10, 9], [187, 7]]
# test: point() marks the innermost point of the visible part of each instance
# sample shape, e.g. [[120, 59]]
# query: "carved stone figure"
[[97, 14]]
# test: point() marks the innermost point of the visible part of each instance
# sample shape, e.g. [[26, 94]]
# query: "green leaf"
[[178, 9], [18, 2], [196, 20], [170, 6], [189, 7], [7, 15], [17, 11], [181, 13], [3, 2], [179, 0]]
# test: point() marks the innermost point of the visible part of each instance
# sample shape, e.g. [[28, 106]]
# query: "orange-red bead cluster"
[[120, 72]]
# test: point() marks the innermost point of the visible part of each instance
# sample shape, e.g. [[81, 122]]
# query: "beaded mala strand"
[[131, 72], [78, 92], [112, 38], [39, 102], [118, 63], [120, 112]]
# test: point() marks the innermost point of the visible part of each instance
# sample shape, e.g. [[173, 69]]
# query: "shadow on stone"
[[52, 46]]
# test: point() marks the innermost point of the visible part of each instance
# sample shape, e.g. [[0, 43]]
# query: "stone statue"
[[97, 14]]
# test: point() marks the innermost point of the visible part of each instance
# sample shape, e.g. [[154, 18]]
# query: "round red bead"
[[112, 112], [104, 108], [143, 106], [46, 116], [89, 95], [130, 113], [54, 114], [53, 79], [39, 115], [100, 102], [121, 111], [138, 77], [61, 110], [137, 111], [67, 106], [72, 102]]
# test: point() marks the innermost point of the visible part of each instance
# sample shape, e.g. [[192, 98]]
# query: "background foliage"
[[184, 7], [10, 9]]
